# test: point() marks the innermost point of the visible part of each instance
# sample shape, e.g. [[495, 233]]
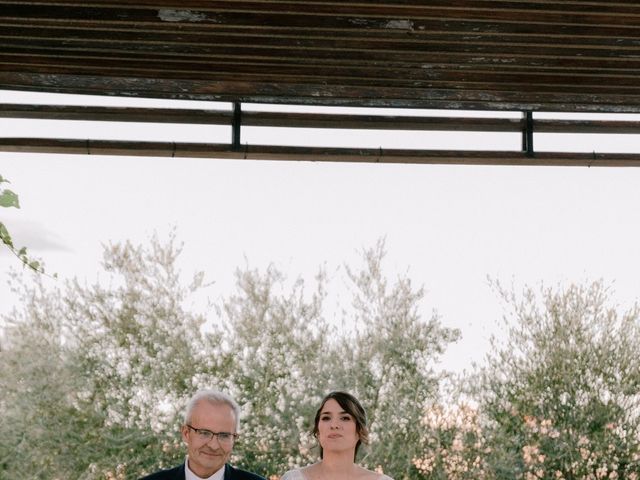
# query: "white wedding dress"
[[298, 475]]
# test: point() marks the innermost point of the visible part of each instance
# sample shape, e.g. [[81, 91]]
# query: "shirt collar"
[[189, 475]]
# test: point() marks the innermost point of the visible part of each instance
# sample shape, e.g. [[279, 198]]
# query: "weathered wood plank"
[[397, 68], [490, 54], [193, 36], [357, 15], [256, 56], [573, 12], [247, 24], [319, 94], [260, 46], [587, 84]]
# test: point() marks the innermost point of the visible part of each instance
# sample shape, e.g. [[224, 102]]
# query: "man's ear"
[[184, 430]]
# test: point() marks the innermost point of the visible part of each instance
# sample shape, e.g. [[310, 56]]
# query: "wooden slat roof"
[[461, 54]]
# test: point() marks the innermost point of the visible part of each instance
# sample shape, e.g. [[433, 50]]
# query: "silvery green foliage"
[[35, 378], [280, 352], [286, 357], [135, 335], [562, 392], [390, 362], [94, 376]]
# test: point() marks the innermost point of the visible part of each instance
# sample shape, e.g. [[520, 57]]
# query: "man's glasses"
[[224, 438]]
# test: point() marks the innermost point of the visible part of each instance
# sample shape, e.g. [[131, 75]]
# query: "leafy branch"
[[10, 199]]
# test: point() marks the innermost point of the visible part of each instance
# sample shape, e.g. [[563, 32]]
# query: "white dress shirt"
[[189, 475]]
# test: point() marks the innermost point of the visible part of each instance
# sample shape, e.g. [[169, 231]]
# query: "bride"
[[341, 427]]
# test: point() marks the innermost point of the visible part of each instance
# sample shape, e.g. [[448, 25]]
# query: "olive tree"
[[454, 446], [390, 362], [94, 376], [279, 348], [562, 391]]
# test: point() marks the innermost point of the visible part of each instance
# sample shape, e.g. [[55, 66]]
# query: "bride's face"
[[336, 428]]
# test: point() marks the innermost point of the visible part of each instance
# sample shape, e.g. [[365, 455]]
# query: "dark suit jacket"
[[177, 473]]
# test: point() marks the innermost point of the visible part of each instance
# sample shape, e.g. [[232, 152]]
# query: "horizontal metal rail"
[[324, 154], [313, 120], [238, 118]]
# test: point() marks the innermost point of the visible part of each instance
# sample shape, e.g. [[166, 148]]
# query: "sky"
[[449, 228]]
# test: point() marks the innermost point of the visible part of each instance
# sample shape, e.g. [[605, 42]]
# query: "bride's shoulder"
[[295, 474], [379, 476], [371, 475]]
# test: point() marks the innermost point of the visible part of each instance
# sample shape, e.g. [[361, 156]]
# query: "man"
[[210, 428]]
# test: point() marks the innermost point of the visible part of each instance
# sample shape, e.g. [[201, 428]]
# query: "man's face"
[[208, 456]]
